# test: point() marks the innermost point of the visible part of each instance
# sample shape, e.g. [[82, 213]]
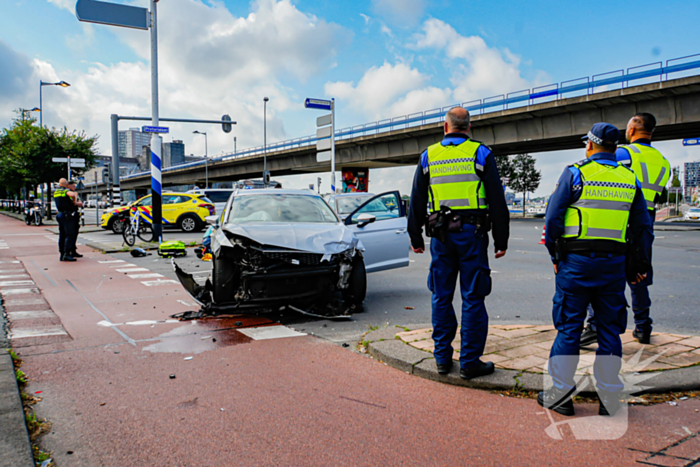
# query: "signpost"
[[77, 163], [325, 134]]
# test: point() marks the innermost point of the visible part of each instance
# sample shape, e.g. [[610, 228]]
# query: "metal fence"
[[652, 72]]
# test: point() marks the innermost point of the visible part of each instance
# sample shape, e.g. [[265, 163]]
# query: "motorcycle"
[[32, 215]]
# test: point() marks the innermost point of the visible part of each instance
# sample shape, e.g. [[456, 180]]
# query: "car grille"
[[305, 259]]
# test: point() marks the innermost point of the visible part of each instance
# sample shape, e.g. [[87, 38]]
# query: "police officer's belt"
[[595, 246]]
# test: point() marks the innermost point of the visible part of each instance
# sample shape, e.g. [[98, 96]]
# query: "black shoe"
[[61, 258], [642, 335], [444, 369], [75, 254], [68, 258], [479, 369], [558, 401], [609, 404], [589, 336]]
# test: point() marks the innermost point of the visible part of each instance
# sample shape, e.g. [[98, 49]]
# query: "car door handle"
[[399, 232]]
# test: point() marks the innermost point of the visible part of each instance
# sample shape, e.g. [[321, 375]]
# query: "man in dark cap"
[[597, 208]]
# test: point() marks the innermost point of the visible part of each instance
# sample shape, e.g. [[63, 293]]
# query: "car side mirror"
[[365, 219], [212, 220]]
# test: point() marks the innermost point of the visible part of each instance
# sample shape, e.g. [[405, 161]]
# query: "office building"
[[132, 141], [173, 153]]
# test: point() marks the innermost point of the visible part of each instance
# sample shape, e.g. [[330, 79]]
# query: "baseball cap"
[[603, 134]]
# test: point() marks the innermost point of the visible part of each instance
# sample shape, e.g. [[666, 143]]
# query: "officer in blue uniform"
[[457, 192], [597, 210]]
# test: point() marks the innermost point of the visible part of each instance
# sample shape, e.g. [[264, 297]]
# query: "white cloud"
[[68, 5], [385, 30], [210, 63], [365, 17], [400, 13]]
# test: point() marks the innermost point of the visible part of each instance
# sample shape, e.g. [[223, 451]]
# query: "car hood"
[[314, 238]]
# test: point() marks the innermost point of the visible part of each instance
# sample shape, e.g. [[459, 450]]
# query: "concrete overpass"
[[549, 126]]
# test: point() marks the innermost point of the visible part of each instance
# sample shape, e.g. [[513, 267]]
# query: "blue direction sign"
[[321, 104], [691, 142], [155, 129], [113, 14]]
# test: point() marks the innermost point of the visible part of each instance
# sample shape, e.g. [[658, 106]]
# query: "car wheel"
[[224, 280], [189, 223], [357, 285], [118, 226]]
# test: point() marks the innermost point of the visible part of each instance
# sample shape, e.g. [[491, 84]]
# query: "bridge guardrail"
[[583, 86]]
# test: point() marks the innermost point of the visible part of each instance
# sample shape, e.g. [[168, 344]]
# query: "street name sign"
[[92, 11], [324, 120], [691, 142], [323, 144], [324, 156], [59, 159], [324, 132], [321, 104], [675, 189], [77, 163], [155, 129]]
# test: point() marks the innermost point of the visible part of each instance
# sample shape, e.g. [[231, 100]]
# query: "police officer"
[[596, 208], [457, 180], [67, 205], [653, 171], [77, 218]]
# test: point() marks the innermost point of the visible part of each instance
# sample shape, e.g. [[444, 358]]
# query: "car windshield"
[[280, 208], [347, 204]]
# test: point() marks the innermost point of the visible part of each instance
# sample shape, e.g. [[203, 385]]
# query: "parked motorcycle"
[[32, 215]]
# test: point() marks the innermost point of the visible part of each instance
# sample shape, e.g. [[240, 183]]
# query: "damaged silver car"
[[276, 248]]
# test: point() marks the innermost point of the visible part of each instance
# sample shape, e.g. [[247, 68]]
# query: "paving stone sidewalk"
[[526, 348]]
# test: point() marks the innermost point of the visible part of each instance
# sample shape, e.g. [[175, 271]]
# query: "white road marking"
[[15, 315], [11, 271], [187, 304], [270, 332], [128, 270], [13, 283], [18, 291], [15, 276], [159, 282], [112, 261], [145, 276], [125, 265], [144, 322], [9, 262], [38, 332]]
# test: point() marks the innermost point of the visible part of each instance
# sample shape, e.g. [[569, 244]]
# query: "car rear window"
[[219, 196]]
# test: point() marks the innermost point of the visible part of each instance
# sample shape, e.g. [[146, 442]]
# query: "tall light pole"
[[63, 84], [25, 111], [206, 157], [265, 174]]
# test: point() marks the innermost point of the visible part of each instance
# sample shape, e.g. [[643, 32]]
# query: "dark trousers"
[[67, 232], [600, 282], [463, 254]]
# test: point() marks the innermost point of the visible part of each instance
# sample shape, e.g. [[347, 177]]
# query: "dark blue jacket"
[[485, 169], [568, 191]]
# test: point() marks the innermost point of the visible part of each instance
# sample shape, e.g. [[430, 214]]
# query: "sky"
[[378, 58]]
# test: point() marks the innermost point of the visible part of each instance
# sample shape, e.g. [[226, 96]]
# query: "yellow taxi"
[[185, 211]]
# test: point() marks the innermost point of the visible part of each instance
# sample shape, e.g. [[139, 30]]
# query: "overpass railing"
[[657, 71]]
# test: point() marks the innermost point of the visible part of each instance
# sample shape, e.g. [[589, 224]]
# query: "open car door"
[[381, 224]]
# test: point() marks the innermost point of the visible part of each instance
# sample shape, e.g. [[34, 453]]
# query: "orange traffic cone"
[[542, 239]]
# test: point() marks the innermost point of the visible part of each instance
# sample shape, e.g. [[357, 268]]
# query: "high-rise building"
[[691, 178], [173, 153], [132, 141]]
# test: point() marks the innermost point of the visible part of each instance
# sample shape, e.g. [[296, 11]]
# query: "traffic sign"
[[324, 156], [691, 142], [321, 104], [59, 159], [77, 163], [323, 144], [324, 132], [324, 120], [675, 189], [226, 126], [155, 129], [92, 11]]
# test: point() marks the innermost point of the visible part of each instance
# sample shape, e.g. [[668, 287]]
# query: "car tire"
[[116, 226], [223, 280], [189, 223], [357, 285]]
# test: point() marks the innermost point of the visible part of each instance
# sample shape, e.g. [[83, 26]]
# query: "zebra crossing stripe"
[[19, 291], [21, 333], [145, 276], [15, 283], [128, 270]]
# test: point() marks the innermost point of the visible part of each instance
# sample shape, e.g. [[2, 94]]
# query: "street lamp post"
[[25, 111], [206, 157], [234, 145], [63, 84], [265, 175]]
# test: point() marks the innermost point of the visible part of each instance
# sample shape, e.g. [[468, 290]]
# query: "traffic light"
[[226, 126], [106, 175], [266, 178], [319, 184]]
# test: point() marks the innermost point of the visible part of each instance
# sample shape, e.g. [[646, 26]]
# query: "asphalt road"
[[523, 286]]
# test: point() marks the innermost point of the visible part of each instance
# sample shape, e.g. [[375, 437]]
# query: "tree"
[[504, 164], [525, 178], [676, 183]]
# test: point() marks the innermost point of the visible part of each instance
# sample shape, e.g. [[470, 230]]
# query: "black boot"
[[444, 369], [642, 335], [589, 336], [476, 370], [557, 400], [75, 254], [609, 403], [68, 257]]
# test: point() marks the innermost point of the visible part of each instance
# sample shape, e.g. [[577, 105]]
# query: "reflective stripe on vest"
[[453, 179], [652, 170], [60, 193], [602, 211]]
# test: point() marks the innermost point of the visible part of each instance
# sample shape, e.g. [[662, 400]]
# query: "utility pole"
[[156, 140]]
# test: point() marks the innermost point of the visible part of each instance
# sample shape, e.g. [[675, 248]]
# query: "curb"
[[383, 346], [15, 446]]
